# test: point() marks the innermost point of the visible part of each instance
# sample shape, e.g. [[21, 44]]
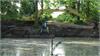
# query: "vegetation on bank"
[[75, 12]]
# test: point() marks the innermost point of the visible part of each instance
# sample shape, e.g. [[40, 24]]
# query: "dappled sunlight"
[[62, 7], [56, 14]]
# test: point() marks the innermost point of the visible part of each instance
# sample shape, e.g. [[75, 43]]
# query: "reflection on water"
[[81, 50], [41, 47], [26, 47]]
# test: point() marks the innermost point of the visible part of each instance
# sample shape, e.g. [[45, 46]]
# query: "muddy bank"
[[25, 29]]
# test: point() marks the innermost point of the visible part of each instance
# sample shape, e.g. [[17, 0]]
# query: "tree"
[[8, 10], [27, 7], [85, 10]]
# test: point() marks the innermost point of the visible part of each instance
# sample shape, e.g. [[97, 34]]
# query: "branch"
[[57, 45], [70, 10]]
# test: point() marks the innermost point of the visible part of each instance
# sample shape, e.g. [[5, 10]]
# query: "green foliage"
[[46, 3], [88, 9], [27, 7], [8, 10], [45, 17], [65, 17], [27, 10]]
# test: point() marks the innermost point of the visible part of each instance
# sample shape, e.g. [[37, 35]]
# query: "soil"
[[26, 29]]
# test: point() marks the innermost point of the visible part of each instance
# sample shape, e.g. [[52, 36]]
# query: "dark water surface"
[[41, 47]]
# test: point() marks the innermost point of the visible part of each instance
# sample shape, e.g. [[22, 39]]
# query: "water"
[[41, 47]]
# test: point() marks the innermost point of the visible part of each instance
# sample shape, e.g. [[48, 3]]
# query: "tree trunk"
[[36, 12], [78, 8], [41, 7], [88, 9]]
